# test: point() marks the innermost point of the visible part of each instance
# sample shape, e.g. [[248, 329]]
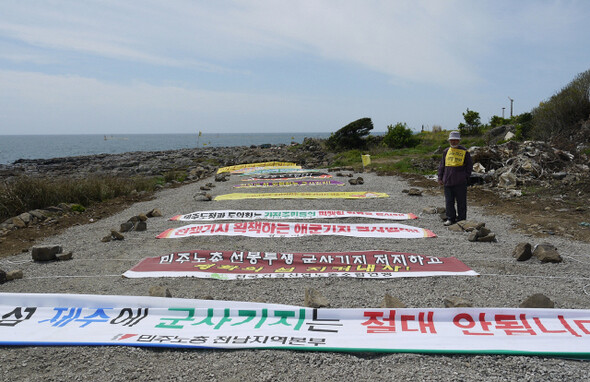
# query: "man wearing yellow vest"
[[454, 172]]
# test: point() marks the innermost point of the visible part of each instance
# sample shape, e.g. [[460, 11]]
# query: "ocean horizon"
[[15, 147]]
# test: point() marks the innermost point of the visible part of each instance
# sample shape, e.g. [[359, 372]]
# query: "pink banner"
[[235, 265], [288, 183]]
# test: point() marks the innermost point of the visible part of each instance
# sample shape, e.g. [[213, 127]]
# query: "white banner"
[[68, 319], [288, 214], [272, 229]]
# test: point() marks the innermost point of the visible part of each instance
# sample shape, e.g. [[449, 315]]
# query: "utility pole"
[[511, 102], [503, 112]]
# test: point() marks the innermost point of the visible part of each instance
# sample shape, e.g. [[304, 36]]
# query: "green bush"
[[351, 136], [472, 125], [559, 115], [400, 136]]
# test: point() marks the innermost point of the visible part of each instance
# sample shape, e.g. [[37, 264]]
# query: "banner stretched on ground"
[[272, 229], [288, 214], [240, 265], [247, 166], [303, 195], [289, 183], [277, 170], [289, 176], [95, 320]]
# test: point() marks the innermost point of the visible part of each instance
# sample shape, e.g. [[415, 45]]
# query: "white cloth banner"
[[68, 319], [272, 229], [288, 214]]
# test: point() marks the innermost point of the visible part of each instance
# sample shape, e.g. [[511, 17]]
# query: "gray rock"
[[65, 256], [538, 300], [26, 217], [391, 302], [141, 226], [159, 291], [127, 226], [116, 235], [314, 299], [46, 253], [154, 213], [13, 275], [522, 252], [18, 222], [3, 277], [414, 192], [490, 237], [352, 181], [547, 253], [142, 217], [457, 302], [468, 225]]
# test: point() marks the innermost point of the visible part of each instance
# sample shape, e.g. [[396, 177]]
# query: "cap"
[[454, 135]]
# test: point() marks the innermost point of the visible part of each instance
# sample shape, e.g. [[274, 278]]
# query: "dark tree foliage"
[[400, 136], [351, 136]]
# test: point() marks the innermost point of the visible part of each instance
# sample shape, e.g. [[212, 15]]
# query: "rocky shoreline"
[[198, 163]]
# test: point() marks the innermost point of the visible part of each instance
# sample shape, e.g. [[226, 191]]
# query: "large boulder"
[[46, 253]]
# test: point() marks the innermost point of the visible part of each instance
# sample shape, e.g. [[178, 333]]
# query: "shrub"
[[560, 114], [400, 136], [472, 125], [351, 136]]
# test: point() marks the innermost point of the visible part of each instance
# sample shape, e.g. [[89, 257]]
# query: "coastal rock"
[[46, 253], [13, 275], [537, 300], [390, 302], [547, 253], [522, 252], [314, 299], [116, 235], [127, 226], [154, 213], [457, 302], [159, 291], [141, 226]]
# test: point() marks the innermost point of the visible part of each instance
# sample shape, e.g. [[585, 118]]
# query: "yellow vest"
[[455, 157]]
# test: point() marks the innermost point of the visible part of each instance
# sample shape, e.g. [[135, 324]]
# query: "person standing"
[[454, 171]]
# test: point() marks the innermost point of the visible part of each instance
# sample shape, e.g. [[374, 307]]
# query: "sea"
[[14, 147]]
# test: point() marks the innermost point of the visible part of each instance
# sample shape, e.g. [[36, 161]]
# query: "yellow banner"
[[455, 157], [254, 165], [304, 195]]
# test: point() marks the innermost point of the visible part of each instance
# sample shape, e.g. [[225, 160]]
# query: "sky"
[[248, 66]]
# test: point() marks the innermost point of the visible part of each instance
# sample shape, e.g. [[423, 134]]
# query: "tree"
[[472, 125], [400, 136], [351, 136]]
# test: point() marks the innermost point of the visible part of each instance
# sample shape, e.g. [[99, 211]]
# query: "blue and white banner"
[[68, 319]]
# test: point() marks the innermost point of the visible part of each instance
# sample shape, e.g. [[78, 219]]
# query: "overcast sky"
[[222, 66]]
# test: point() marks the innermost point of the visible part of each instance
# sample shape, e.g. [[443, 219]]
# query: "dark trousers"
[[456, 194]]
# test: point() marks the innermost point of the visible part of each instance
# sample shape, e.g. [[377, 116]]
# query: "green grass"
[[25, 193]]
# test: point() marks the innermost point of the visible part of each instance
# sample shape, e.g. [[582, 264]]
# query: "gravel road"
[[97, 268]]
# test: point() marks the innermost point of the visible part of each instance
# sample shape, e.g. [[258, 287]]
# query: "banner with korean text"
[[240, 265], [256, 166], [69, 319], [289, 183], [277, 170], [288, 214], [288, 176], [287, 229], [304, 195]]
